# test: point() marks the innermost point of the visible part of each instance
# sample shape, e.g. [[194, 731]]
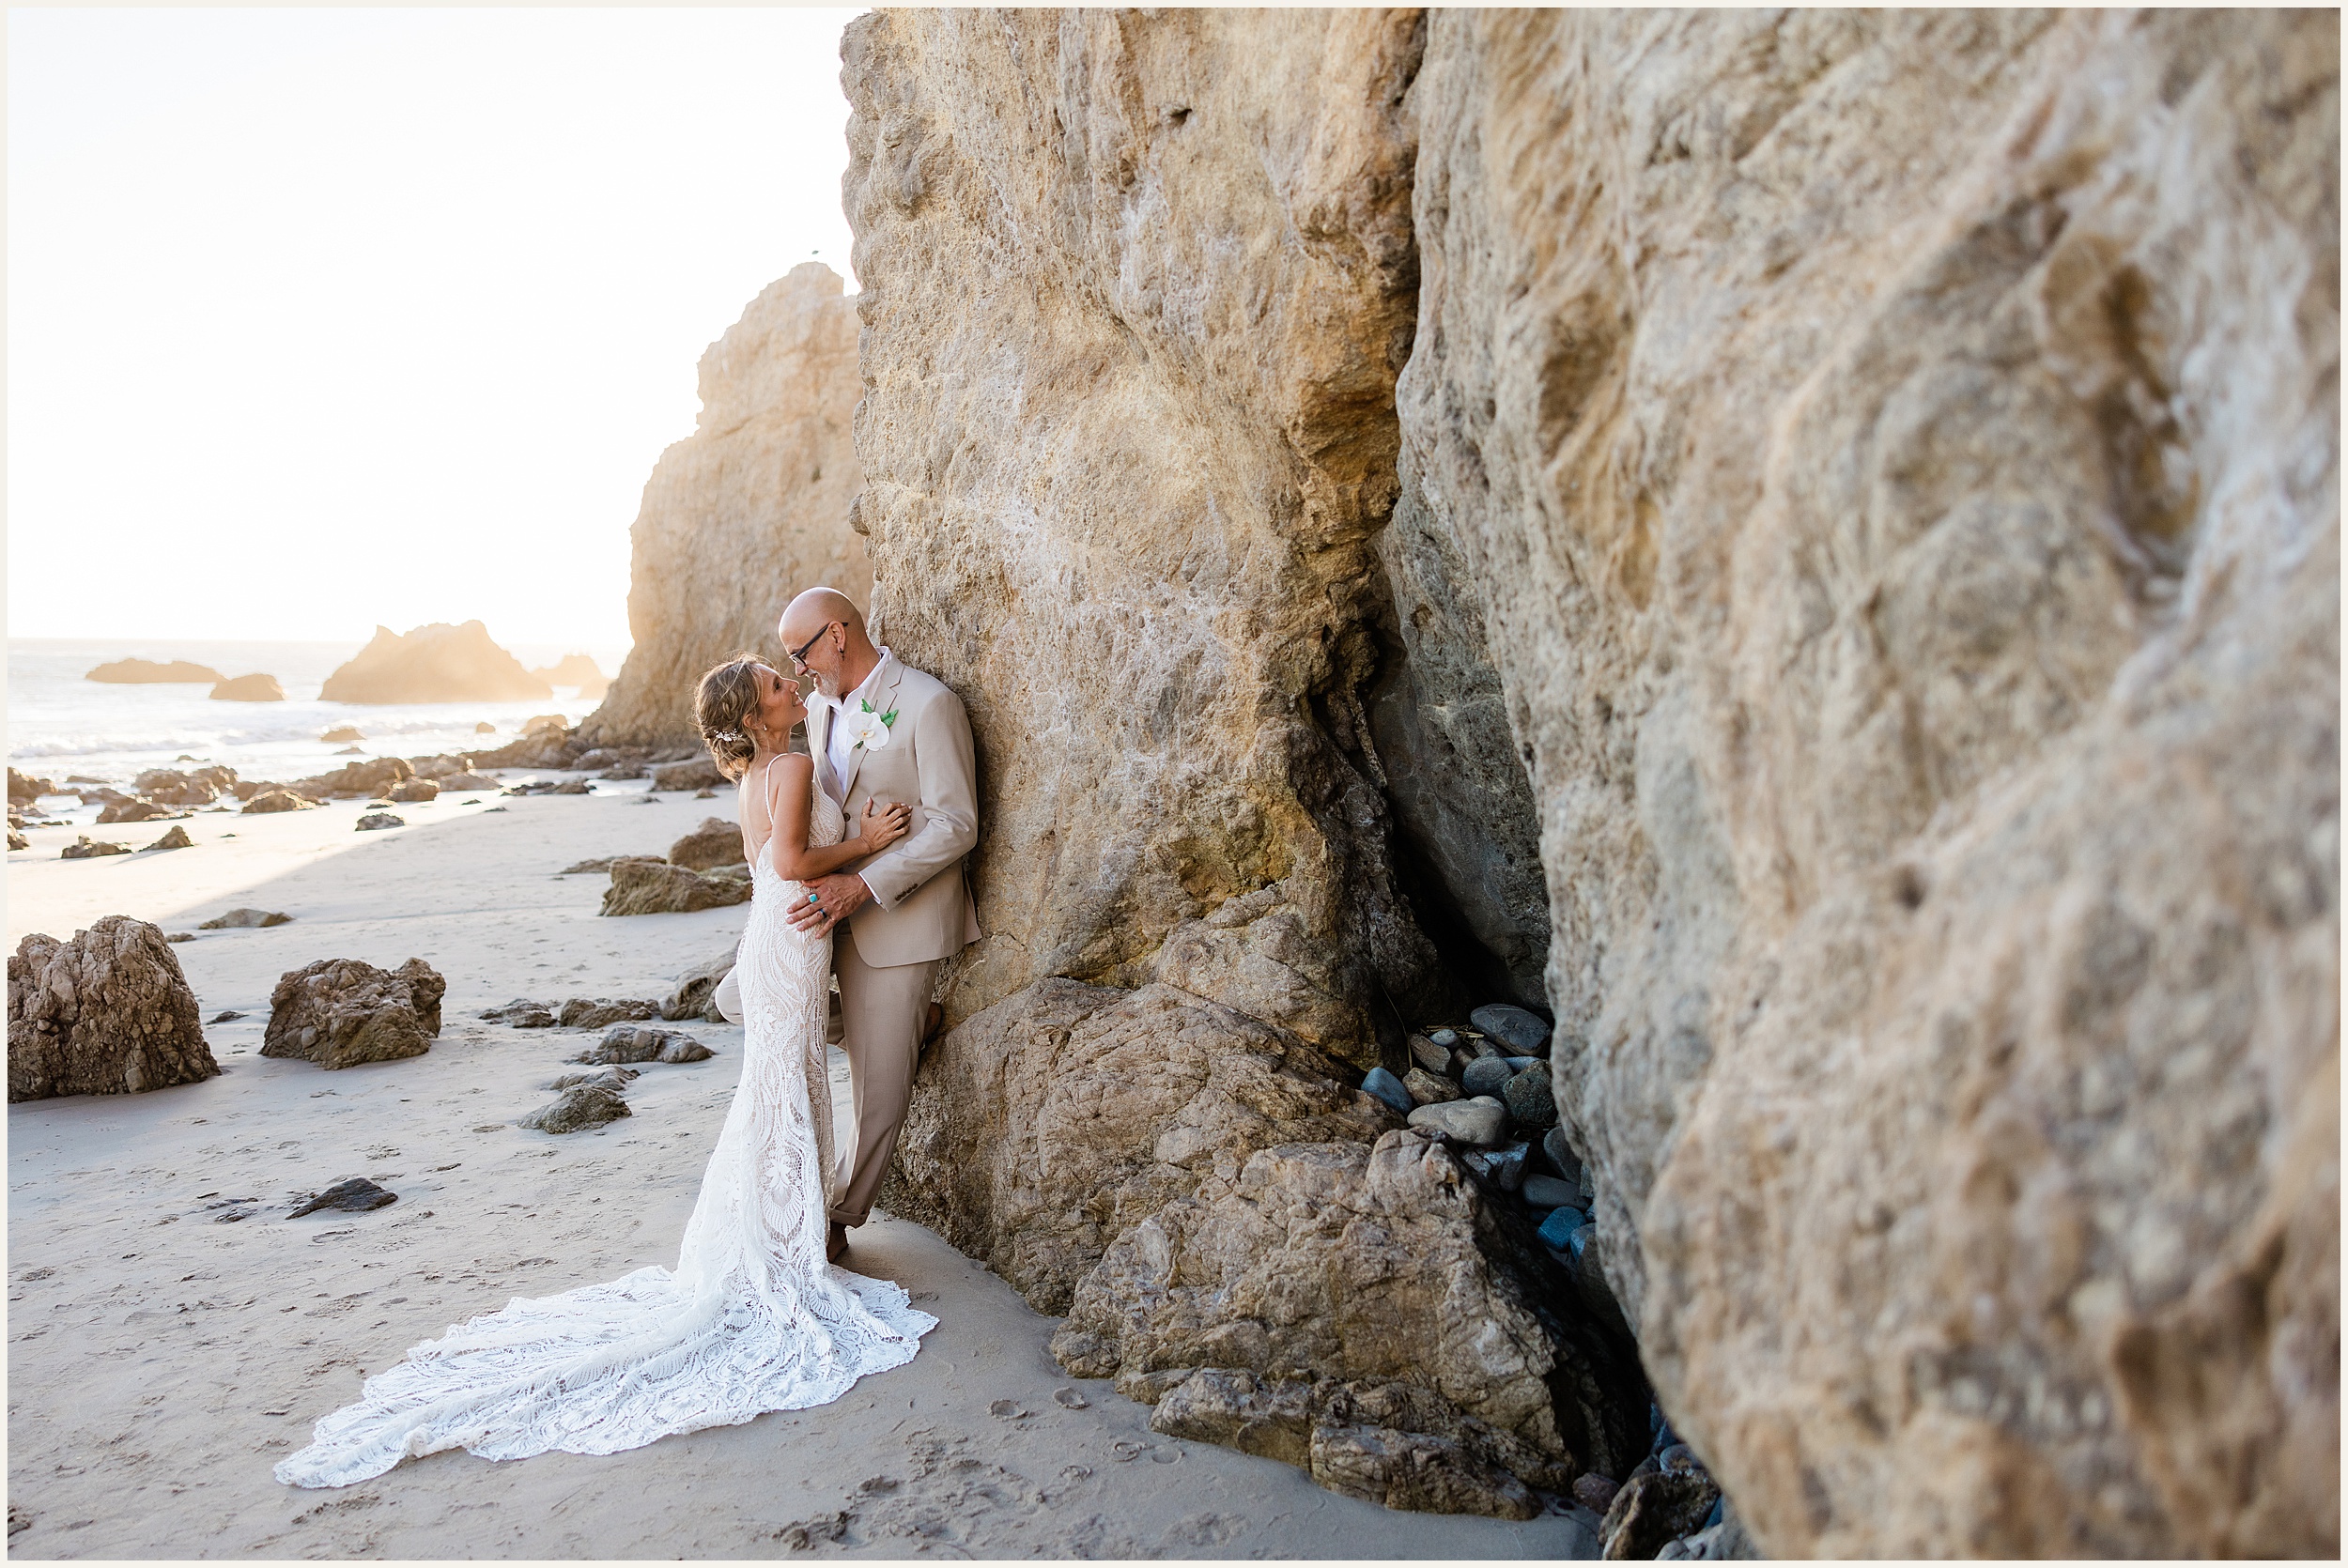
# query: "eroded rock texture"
[[1132, 313], [106, 1014], [1896, 456], [343, 1012], [746, 511], [1859, 504]]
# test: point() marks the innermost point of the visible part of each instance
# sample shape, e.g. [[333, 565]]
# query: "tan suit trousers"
[[882, 1009]]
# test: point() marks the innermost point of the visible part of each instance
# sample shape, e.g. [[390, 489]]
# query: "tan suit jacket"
[[920, 908]]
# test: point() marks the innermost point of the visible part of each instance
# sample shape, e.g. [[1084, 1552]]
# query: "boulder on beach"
[[195, 787], [716, 843], [696, 989], [694, 773], [87, 848], [141, 672], [248, 688], [108, 1012], [132, 811], [240, 919], [343, 734], [520, 1013], [25, 788], [438, 663], [413, 790], [577, 669], [598, 1012], [271, 800], [582, 1106], [469, 781], [643, 1042], [656, 888], [355, 1196], [375, 821], [340, 1012], [175, 839], [368, 781]]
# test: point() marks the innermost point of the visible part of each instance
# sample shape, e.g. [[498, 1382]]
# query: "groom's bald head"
[[816, 609], [826, 624]]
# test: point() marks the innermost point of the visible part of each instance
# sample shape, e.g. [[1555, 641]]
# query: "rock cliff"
[[746, 511], [1805, 544]]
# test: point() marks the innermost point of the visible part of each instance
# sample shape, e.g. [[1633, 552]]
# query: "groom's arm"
[[948, 763]]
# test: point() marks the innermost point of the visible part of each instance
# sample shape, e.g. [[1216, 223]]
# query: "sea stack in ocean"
[[438, 663]]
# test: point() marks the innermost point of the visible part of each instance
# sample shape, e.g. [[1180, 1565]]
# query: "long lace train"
[[751, 1319]]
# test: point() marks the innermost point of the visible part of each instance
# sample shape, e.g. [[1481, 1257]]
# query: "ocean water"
[[61, 722]]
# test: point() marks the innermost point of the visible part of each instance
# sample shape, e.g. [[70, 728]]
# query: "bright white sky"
[[321, 318]]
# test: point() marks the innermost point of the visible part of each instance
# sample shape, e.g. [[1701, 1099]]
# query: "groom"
[[880, 730]]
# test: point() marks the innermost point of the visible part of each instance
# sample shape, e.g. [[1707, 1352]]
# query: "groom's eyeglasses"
[[799, 658]]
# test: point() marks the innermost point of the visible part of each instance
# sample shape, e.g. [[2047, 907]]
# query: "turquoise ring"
[[814, 900]]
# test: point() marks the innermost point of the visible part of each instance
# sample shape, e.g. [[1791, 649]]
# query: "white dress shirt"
[[838, 748]]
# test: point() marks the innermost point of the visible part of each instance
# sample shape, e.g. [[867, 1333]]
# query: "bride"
[[753, 1319]]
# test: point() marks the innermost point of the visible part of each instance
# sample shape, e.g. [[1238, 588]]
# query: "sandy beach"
[[173, 1334]]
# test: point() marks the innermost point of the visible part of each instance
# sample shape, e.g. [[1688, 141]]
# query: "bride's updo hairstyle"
[[725, 695]]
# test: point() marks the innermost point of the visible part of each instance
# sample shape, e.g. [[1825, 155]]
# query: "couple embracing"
[[757, 1315]]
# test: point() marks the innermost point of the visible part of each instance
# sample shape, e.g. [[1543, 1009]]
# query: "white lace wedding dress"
[[751, 1319]]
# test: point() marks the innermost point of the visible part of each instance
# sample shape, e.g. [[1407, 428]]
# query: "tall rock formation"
[[746, 511], [1807, 542], [1896, 457], [438, 663]]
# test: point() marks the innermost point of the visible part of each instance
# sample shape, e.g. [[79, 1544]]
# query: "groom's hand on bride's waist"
[[837, 896]]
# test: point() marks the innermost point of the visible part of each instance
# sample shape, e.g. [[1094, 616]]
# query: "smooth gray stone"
[[1482, 1121], [1563, 1161], [1513, 1026], [1547, 1191], [1487, 1075], [1383, 1085], [1445, 1037]]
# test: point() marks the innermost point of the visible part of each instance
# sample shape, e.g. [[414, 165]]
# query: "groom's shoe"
[[836, 1241]]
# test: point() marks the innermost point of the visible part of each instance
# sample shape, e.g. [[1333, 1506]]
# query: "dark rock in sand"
[[656, 888], [222, 1017], [87, 848], [716, 843], [615, 1078], [585, 1106], [1653, 1510], [697, 988], [175, 839], [340, 1012], [108, 1012], [375, 821], [18, 842], [581, 1012], [520, 1013], [639, 1042], [239, 919], [415, 790], [355, 1196], [248, 688]]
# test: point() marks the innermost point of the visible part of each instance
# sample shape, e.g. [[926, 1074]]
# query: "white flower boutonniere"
[[866, 729]]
